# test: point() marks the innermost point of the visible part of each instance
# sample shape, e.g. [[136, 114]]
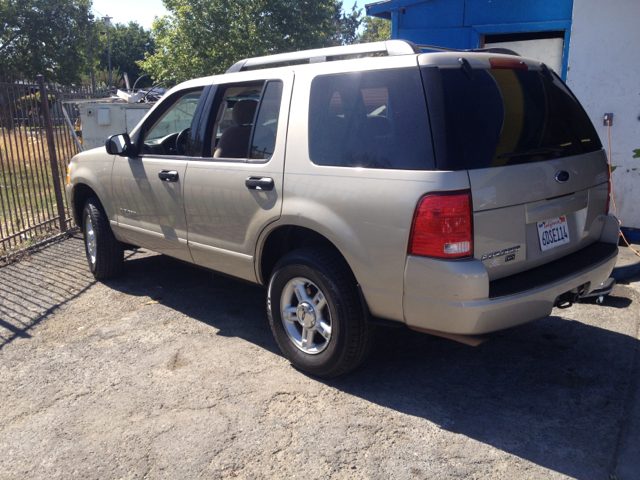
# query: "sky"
[[125, 11], [143, 11]]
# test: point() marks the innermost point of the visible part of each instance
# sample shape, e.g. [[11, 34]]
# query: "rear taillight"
[[442, 226]]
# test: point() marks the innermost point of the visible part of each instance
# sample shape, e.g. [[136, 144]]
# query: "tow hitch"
[[601, 291], [567, 299]]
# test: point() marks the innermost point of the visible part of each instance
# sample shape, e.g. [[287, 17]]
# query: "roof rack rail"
[[390, 47], [504, 51], [438, 49]]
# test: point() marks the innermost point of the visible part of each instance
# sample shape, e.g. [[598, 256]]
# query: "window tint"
[[266, 127], [504, 117], [375, 101], [335, 104], [370, 119]]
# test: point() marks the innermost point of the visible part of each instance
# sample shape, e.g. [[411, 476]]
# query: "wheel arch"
[[284, 239], [80, 194]]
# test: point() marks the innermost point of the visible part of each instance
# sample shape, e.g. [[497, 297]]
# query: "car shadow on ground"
[[551, 392], [234, 307]]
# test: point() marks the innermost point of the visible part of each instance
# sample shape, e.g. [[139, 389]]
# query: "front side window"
[[169, 132], [370, 119]]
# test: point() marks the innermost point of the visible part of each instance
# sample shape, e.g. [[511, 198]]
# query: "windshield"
[[496, 117]]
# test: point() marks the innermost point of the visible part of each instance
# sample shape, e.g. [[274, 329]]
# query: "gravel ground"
[[172, 372]]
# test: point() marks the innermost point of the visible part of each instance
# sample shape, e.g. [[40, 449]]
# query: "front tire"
[[105, 254], [315, 313]]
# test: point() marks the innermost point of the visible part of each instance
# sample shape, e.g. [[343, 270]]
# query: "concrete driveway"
[[172, 372]]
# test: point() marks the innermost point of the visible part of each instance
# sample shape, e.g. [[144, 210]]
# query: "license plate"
[[553, 233]]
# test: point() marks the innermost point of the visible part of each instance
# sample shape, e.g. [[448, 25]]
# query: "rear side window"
[[495, 117], [264, 133], [244, 121], [370, 119]]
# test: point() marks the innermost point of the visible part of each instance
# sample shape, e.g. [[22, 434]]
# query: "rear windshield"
[[489, 118], [375, 119]]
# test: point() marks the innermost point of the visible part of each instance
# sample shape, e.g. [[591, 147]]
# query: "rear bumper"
[[467, 303]]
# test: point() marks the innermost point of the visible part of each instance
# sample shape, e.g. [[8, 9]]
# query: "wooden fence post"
[[53, 158]]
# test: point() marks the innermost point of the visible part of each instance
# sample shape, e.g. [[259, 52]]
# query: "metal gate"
[[36, 144]]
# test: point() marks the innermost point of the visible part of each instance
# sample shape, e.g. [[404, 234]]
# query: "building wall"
[[604, 73], [548, 50], [601, 61], [462, 23]]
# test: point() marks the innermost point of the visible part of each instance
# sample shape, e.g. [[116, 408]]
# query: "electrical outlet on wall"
[[608, 119]]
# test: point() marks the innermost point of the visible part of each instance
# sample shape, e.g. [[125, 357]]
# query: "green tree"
[[44, 36], [375, 30], [204, 38], [346, 25], [129, 44]]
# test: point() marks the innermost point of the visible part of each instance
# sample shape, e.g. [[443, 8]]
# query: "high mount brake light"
[[442, 226], [508, 64]]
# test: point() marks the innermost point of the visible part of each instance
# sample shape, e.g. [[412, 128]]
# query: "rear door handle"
[[168, 176], [259, 183]]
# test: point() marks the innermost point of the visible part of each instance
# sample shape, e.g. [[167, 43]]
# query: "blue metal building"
[[466, 24]]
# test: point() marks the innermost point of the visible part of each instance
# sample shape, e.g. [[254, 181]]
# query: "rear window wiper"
[[533, 151]]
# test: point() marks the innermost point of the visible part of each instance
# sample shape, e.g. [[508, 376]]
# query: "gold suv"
[[455, 192]]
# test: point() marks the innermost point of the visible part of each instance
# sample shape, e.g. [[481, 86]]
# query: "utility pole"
[[107, 22], [91, 72]]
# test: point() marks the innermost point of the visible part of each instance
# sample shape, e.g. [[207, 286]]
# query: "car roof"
[[322, 57]]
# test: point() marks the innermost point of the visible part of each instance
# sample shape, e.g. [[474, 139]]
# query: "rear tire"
[[105, 254], [315, 313]]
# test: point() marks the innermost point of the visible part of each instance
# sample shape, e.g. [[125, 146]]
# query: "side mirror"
[[119, 145]]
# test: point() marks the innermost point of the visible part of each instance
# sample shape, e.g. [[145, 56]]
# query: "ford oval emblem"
[[562, 176]]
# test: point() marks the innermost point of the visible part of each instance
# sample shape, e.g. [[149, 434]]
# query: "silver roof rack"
[[390, 47], [504, 51], [438, 49]]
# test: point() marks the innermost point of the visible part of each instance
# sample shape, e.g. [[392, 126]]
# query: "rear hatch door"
[[537, 171]]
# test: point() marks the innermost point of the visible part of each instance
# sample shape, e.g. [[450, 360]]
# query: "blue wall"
[[461, 23]]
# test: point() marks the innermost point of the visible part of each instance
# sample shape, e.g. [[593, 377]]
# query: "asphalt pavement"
[[172, 372]]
